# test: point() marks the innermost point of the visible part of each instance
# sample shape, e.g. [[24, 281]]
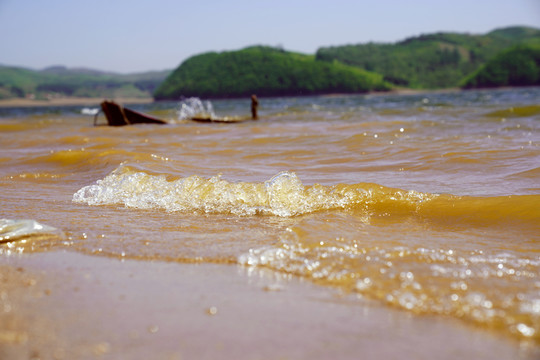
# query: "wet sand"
[[64, 305]]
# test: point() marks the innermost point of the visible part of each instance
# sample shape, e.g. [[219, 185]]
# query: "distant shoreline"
[[18, 102], [87, 101]]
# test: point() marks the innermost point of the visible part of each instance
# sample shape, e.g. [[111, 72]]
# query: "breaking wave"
[[285, 195]]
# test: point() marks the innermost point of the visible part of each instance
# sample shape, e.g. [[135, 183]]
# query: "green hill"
[[430, 61], [61, 81], [517, 66], [265, 71], [516, 33]]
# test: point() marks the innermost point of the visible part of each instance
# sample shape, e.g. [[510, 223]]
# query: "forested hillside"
[[265, 71], [517, 66], [430, 61]]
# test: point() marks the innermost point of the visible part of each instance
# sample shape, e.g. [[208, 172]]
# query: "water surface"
[[425, 202]]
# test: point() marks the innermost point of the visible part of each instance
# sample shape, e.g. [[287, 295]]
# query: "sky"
[[127, 36]]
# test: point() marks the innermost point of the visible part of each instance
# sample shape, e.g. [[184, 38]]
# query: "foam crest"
[[282, 195], [285, 195]]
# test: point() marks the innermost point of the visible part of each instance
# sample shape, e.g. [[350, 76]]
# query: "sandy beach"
[[65, 305]]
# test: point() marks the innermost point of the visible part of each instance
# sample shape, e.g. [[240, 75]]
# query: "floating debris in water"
[[212, 310], [14, 230]]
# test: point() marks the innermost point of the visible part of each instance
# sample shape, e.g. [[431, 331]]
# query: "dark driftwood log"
[[117, 115]]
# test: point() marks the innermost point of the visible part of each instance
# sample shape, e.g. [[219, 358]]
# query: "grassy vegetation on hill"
[[518, 66], [60, 81], [265, 71], [430, 61]]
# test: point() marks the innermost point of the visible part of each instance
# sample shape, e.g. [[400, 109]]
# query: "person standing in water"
[[254, 105]]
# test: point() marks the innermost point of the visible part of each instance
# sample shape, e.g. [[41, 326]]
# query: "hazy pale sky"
[[139, 35]]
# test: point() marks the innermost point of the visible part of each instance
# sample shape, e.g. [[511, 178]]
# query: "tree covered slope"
[[430, 61], [517, 66], [264, 71]]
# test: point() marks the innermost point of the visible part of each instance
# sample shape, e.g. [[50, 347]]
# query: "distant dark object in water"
[[117, 115], [218, 120], [254, 106], [254, 116]]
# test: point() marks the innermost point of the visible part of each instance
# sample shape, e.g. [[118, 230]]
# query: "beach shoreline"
[[69, 305], [94, 101], [67, 101]]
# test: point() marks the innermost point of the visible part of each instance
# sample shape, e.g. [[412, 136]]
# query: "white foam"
[[282, 195]]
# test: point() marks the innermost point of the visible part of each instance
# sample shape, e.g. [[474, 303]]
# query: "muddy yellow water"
[[429, 203]]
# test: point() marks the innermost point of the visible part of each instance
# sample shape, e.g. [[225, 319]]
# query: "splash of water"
[[195, 107]]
